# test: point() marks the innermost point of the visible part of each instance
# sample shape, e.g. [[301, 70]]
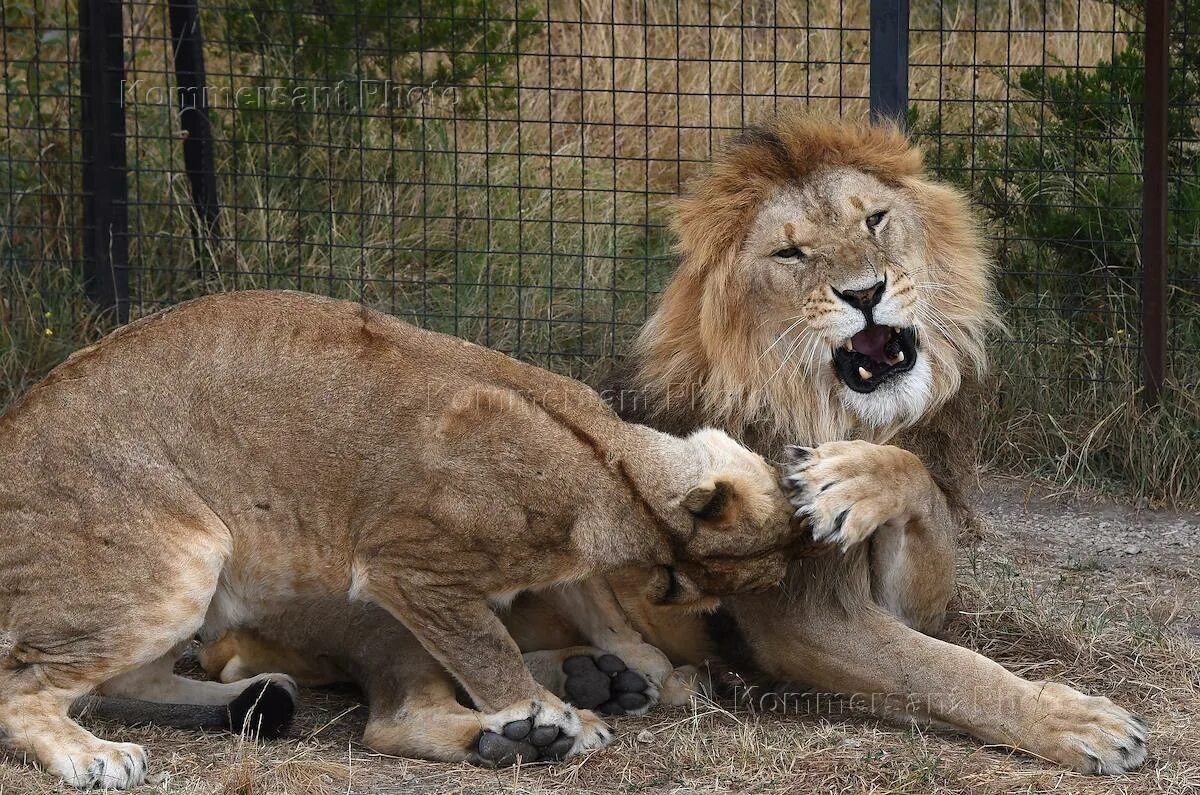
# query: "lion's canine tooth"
[[848, 345], [899, 357], [865, 374]]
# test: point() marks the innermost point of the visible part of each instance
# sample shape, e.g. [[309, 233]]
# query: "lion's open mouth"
[[875, 355]]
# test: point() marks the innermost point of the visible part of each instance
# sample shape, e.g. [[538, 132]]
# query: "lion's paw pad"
[[605, 684], [522, 740]]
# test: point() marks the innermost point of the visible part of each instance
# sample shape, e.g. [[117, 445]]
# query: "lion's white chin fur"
[[898, 403]]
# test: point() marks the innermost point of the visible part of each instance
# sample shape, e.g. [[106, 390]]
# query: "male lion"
[[828, 293], [223, 459]]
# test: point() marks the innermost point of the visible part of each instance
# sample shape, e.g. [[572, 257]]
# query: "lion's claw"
[[847, 490]]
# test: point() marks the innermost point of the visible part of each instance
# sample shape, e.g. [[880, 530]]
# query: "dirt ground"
[[1101, 595]]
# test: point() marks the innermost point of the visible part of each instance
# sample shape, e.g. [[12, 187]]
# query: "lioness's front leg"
[[523, 718]]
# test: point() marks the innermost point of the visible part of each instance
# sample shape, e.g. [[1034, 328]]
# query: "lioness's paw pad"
[[538, 732], [521, 740], [605, 684], [105, 766]]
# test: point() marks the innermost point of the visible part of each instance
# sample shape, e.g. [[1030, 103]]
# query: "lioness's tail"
[[263, 709]]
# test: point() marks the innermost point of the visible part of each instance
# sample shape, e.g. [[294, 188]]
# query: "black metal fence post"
[[889, 60], [1154, 201], [191, 89], [105, 184]]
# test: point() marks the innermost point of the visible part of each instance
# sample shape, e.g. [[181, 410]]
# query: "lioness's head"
[[734, 526], [826, 287]]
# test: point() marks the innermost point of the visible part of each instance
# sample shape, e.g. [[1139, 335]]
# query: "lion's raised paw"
[[847, 490]]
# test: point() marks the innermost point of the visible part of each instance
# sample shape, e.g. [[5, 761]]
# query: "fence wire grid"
[[500, 170]]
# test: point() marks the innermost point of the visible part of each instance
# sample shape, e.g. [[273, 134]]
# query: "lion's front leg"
[[849, 490], [888, 666], [853, 492]]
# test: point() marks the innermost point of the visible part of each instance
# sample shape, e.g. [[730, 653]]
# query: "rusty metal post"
[[1154, 202]]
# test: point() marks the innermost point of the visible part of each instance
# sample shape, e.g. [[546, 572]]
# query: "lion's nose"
[[864, 300]]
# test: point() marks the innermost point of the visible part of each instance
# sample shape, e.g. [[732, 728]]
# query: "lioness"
[[828, 293], [233, 455]]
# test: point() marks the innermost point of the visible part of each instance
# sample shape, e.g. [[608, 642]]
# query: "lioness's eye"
[[791, 252], [875, 219]]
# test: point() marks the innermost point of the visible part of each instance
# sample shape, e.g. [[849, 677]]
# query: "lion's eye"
[[875, 219], [791, 252]]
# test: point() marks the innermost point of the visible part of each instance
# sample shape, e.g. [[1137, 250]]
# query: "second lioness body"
[[219, 460]]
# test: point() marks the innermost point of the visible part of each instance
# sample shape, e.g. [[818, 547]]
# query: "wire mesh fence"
[[499, 169], [494, 170]]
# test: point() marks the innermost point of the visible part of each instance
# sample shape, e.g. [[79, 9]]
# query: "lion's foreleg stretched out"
[[858, 624]]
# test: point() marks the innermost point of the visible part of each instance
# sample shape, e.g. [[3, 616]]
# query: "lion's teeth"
[[865, 374], [899, 357], [848, 345]]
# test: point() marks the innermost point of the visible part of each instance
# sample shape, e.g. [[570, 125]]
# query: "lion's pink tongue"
[[871, 342]]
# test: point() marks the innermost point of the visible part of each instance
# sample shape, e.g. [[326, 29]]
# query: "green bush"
[[1064, 181], [1059, 173]]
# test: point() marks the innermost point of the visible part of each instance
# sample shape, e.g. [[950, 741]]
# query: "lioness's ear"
[[710, 501]]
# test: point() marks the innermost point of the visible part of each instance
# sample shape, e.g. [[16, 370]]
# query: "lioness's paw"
[[604, 683], [1090, 734], [683, 685], [102, 765], [847, 490], [536, 731]]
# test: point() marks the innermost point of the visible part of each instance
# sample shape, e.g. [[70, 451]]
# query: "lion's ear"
[[713, 501]]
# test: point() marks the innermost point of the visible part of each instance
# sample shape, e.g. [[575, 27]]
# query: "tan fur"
[[743, 339], [240, 454]]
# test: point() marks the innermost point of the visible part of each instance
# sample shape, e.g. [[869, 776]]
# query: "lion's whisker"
[[786, 331], [783, 363]]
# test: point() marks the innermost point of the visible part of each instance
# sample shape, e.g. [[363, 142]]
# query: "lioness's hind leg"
[[35, 721], [51, 666], [110, 609]]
